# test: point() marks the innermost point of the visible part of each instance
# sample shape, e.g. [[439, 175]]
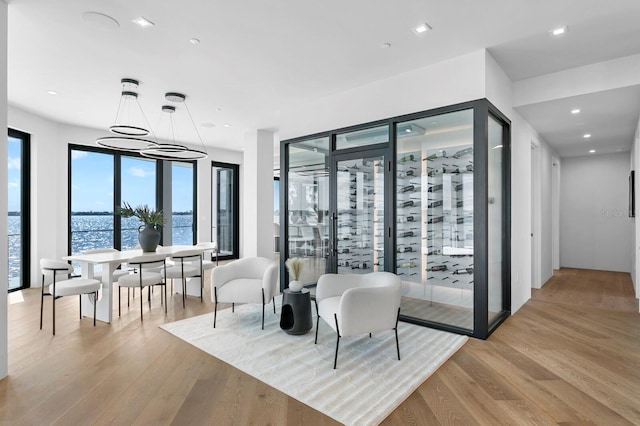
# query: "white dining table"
[[109, 263]]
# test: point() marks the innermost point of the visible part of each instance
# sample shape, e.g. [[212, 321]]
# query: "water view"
[[91, 231]]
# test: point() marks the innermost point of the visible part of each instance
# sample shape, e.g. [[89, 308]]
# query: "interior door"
[[358, 226]]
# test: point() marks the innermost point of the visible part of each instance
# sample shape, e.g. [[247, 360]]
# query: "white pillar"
[[257, 195], [4, 320]]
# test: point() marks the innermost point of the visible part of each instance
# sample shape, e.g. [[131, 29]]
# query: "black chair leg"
[[80, 296], [41, 301], [233, 307], [263, 308], [165, 297], [215, 307], [53, 296], [335, 361], [273, 299], [141, 301], [119, 308], [95, 304], [396, 330], [317, 321], [184, 290]]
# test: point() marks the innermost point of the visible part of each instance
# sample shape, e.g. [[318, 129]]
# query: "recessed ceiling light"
[[407, 130], [142, 22], [558, 32], [100, 20], [227, 125], [385, 45], [587, 135], [591, 151], [422, 28], [575, 111], [209, 125], [52, 92], [219, 109], [194, 41]]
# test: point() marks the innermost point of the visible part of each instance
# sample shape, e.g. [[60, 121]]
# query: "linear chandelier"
[[132, 136]]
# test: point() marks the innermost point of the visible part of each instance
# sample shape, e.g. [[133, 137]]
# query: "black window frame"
[[236, 208], [25, 206], [117, 180]]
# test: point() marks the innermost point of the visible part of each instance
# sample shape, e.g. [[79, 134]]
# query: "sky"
[[92, 182], [14, 174]]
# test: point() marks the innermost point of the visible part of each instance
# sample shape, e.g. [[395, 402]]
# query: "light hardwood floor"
[[561, 359]]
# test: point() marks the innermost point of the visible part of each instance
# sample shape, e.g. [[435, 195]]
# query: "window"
[[225, 209], [101, 180], [18, 230]]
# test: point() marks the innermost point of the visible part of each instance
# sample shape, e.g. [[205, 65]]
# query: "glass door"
[[357, 219]]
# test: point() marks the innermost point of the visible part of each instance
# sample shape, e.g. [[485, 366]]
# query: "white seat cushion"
[[133, 280], [75, 286], [327, 308], [248, 290], [175, 271]]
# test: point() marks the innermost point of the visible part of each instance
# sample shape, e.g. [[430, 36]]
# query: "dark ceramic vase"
[[148, 237]]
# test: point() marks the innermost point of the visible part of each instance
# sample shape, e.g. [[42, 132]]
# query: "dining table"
[[109, 262]]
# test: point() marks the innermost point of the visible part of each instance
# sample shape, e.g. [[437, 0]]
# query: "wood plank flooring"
[[571, 355]]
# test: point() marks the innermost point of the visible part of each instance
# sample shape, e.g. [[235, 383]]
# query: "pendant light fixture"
[[129, 133], [174, 151]]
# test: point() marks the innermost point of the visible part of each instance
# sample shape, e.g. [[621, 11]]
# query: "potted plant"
[[149, 233]]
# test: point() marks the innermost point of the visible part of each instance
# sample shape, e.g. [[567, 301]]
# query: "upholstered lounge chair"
[[359, 304]]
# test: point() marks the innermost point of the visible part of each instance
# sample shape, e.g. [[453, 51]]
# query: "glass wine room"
[[424, 195]]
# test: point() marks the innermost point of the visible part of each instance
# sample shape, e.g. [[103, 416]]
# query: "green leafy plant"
[[146, 215]]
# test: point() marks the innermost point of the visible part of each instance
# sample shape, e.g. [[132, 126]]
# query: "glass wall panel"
[[137, 187], [308, 206], [360, 203], [182, 219], [364, 137], [224, 210], [495, 211], [434, 236]]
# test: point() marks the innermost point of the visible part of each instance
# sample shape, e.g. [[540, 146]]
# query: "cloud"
[[76, 155], [138, 172], [14, 185], [14, 163]]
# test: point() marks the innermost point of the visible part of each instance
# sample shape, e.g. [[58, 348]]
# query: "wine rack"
[[409, 215], [435, 190], [360, 217]]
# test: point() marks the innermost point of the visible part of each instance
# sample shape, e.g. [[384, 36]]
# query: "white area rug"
[[369, 382]]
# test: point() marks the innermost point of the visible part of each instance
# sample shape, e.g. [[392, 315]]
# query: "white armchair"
[[359, 304], [248, 280]]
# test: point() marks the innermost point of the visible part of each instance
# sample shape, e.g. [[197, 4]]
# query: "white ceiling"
[[257, 57]]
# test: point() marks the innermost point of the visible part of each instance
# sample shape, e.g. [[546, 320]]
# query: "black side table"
[[295, 317]]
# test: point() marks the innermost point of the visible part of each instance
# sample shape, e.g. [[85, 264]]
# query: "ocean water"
[[94, 231]]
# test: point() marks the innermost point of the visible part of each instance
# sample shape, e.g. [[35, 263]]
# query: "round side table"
[[295, 317]]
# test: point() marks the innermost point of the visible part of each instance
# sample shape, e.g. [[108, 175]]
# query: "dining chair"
[[187, 264], [145, 275], [65, 287], [206, 247]]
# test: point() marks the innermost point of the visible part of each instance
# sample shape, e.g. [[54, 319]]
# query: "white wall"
[[635, 248], [457, 80], [547, 156], [596, 229], [4, 285]]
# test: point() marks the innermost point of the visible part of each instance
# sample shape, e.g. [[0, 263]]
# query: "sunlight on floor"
[[15, 297]]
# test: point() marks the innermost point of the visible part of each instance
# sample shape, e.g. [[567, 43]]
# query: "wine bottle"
[[437, 203], [460, 203], [408, 265], [464, 219], [405, 249], [434, 252], [406, 158], [469, 167], [406, 219], [435, 155], [435, 172], [411, 219], [408, 188], [436, 219], [409, 173], [408, 203], [435, 188], [463, 271], [344, 250], [459, 186], [438, 268], [462, 152], [406, 234]]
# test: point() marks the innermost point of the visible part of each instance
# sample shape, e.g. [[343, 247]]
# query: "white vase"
[[295, 286]]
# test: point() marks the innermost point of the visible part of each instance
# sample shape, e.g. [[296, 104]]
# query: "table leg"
[[104, 311]]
